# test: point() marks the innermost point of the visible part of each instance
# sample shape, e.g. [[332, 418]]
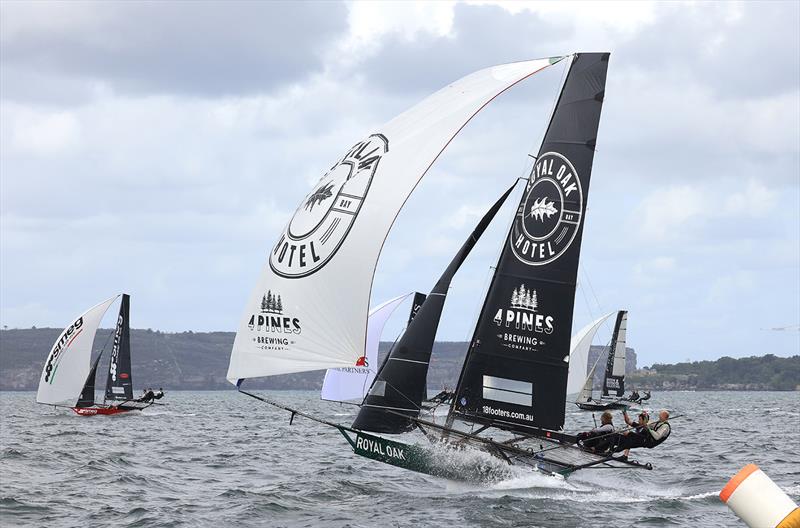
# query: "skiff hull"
[[109, 409], [604, 406]]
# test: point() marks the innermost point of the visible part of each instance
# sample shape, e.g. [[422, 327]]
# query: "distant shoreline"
[[199, 361]]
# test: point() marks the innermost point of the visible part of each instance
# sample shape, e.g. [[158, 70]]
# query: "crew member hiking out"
[[644, 434], [600, 438]]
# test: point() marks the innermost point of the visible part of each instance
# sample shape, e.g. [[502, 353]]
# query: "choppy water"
[[222, 459]]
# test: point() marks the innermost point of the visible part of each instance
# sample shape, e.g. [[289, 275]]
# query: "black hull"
[[603, 406]]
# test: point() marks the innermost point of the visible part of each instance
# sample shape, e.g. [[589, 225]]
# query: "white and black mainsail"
[[516, 367], [119, 383]]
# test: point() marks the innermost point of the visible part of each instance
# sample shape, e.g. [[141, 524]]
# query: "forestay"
[[67, 367], [309, 308], [352, 383], [579, 354]]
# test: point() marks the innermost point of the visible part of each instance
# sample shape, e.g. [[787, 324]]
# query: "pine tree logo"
[[524, 299], [271, 303]]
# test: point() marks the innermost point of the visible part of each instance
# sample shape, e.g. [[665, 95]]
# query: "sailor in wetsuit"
[[159, 394], [147, 396], [644, 434], [634, 396], [600, 438]]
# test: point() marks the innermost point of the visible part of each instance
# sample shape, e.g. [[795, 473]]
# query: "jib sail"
[[517, 364], [86, 398], [401, 384], [614, 379], [119, 384]]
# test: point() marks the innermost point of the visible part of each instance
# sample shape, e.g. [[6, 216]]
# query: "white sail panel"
[[352, 383], [68, 363], [619, 347], [579, 354], [309, 308]]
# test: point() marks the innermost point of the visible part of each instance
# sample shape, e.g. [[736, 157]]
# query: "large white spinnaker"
[[309, 308], [352, 383], [68, 363], [579, 354]]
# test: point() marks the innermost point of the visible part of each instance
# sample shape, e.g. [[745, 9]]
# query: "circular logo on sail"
[[550, 214], [323, 219]]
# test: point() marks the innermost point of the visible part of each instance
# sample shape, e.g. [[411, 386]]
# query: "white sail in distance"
[[619, 347], [352, 383], [69, 361], [309, 308], [579, 355]]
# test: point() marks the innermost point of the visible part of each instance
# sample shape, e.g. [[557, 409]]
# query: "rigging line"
[[419, 408], [596, 300], [103, 349], [478, 304], [296, 412], [481, 299]]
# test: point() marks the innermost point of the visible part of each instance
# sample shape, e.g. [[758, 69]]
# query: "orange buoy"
[[758, 501]]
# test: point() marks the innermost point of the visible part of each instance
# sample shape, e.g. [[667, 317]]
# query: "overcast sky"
[[159, 148]]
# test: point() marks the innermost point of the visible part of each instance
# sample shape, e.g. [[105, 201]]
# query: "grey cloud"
[[197, 48], [482, 36], [753, 54]]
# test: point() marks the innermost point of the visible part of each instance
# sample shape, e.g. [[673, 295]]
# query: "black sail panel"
[[86, 398], [119, 385], [419, 298], [517, 364], [401, 383]]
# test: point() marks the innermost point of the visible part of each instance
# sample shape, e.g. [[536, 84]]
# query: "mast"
[[517, 364], [614, 380], [119, 383], [401, 384]]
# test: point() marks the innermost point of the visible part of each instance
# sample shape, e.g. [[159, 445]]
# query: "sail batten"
[[309, 308]]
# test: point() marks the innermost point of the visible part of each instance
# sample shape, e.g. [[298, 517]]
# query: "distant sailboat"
[[614, 378], [515, 376], [68, 376]]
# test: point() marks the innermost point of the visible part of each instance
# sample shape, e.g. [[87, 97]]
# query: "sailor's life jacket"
[[659, 428]]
